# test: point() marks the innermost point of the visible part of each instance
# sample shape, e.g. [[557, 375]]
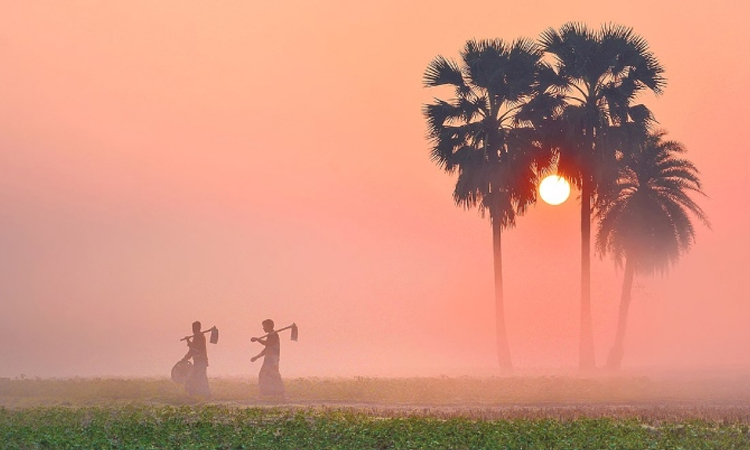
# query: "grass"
[[372, 413], [224, 427]]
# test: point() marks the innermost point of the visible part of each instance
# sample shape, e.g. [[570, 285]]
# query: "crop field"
[[374, 413]]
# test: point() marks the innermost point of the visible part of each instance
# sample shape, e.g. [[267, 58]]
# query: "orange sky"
[[162, 162]]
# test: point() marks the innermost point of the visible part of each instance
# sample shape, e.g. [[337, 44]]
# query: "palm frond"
[[441, 71], [646, 215], [640, 114], [441, 113]]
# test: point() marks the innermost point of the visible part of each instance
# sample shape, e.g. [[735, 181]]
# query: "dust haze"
[[164, 163]]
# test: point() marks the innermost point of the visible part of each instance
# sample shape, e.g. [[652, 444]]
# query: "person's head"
[[268, 325], [196, 327]]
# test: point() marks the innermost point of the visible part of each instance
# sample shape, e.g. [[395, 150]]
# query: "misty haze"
[[348, 171]]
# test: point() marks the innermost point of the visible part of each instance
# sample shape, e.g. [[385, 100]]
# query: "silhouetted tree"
[[597, 74], [483, 133], [644, 217]]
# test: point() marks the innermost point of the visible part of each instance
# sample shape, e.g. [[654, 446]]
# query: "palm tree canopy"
[[480, 132], [599, 65], [645, 217], [599, 73]]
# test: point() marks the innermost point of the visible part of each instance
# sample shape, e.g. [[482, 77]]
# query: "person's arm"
[[255, 358], [190, 352], [261, 340]]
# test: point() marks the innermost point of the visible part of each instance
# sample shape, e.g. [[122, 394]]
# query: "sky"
[[169, 161]]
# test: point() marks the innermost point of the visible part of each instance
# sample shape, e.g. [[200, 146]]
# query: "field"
[[373, 413]]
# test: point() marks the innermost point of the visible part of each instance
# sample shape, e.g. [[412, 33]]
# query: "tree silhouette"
[[597, 74], [483, 133], [644, 217]]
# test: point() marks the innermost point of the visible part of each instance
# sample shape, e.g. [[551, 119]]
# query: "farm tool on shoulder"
[[214, 338], [293, 327]]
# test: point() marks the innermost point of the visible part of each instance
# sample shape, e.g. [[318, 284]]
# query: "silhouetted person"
[[269, 379], [197, 382]]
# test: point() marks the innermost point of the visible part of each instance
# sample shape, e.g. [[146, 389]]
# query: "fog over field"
[[166, 162]]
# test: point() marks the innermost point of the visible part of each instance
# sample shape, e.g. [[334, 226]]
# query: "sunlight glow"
[[554, 190]]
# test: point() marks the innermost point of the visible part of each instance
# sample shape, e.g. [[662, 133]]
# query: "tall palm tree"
[[644, 218], [598, 73], [482, 133]]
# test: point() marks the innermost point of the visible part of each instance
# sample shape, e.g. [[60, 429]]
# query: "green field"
[[371, 413]]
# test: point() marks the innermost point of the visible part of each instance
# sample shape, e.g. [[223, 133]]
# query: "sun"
[[554, 189]]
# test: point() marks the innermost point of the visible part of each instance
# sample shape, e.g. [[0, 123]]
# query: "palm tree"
[[598, 74], [644, 218], [482, 133]]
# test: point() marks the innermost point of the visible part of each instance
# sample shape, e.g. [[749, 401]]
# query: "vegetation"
[[373, 413], [599, 73], [220, 427], [644, 217], [513, 116], [480, 134]]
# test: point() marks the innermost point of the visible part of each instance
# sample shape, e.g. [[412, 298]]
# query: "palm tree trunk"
[[503, 350], [586, 344], [614, 360]]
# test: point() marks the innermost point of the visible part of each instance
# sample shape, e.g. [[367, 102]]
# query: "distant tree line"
[[566, 103]]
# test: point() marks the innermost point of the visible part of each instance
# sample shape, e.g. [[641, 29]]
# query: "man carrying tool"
[[270, 384], [197, 382]]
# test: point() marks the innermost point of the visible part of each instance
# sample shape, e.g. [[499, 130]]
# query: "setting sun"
[[554, 190]]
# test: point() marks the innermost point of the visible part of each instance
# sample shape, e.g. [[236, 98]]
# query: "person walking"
[[270, 383], [197, 382]]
